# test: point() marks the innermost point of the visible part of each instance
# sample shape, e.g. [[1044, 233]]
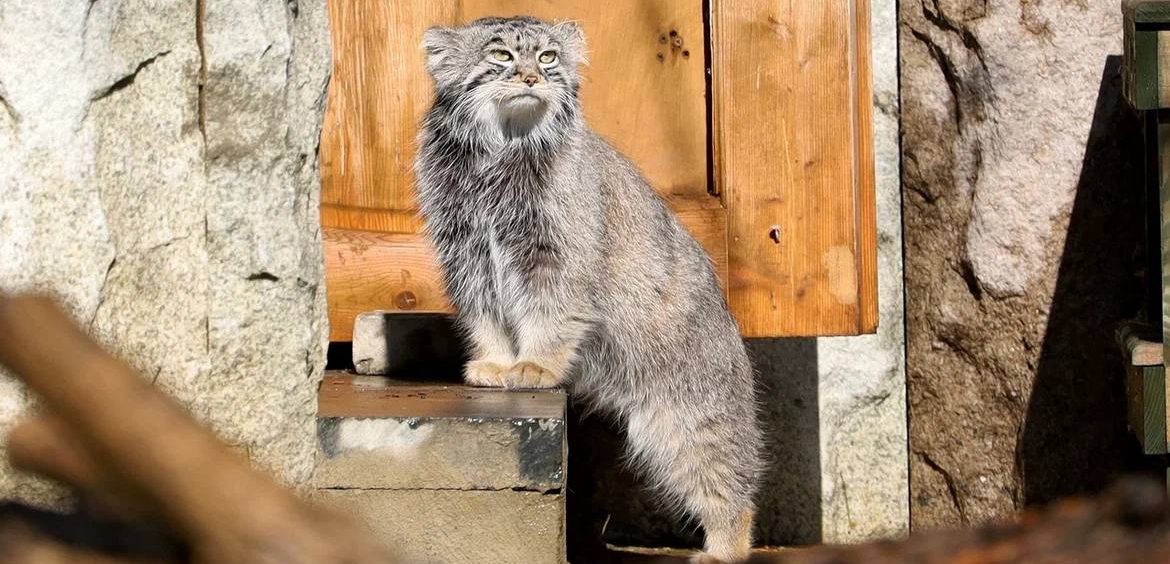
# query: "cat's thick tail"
[[708, 463], [726, 543]]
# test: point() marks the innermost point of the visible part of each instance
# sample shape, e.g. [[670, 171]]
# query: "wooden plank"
[[378, 93], [1140, 62], [645, 91], [1146, 48], [1148, 11], [368, 271], [1142, 344], [1163, 156], [864, 172], [792, 156], [1146, 406], [346, 395], [371, 219]]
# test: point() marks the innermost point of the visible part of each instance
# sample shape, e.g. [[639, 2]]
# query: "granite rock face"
[[158, 173], [1022, 226]]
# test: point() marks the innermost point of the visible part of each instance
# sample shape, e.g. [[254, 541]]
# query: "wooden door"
[[646, 90]]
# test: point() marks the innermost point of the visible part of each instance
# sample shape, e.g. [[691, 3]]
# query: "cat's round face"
[[510, 74]]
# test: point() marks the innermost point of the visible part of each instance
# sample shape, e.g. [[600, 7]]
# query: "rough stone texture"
[[863, 434], [834, 408], [441, 453], [460, 527], [158, 173], [1022, 225]]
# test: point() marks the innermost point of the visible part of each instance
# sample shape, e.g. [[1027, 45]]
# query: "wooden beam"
[[346, 395], [368, 271]]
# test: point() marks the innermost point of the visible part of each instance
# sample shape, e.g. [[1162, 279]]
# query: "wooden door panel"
[[651, 107], [795, 165], [376, 97], [792, 230]]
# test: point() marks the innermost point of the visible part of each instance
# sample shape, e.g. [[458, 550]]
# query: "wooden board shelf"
[[348, 395]]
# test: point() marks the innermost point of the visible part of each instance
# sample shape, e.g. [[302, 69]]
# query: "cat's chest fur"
[[491, 219]]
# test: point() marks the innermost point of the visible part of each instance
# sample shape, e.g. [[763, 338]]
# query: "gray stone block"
[[441, 453], [445, 472], [459, 526]]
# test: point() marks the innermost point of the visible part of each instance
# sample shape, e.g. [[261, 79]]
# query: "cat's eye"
[[548, 57], [501, 55]]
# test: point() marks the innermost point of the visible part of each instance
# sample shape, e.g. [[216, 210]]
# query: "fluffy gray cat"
[[566, 268]]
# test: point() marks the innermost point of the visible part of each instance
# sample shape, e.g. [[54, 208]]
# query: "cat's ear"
[[441, 45], [572, 38]]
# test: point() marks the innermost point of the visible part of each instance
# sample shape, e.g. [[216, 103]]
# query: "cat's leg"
[[705, 465], [491, 352], [547, 349]]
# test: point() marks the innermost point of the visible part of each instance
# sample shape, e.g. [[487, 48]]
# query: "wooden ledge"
[[1142, 344], [343, 394]]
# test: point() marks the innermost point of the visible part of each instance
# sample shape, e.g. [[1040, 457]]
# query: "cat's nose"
[[531, 79]]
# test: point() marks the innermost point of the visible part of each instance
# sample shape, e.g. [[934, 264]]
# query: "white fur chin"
[[520, 115]]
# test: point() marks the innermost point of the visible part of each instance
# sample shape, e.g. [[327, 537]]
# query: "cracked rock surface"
[[158, 173], [1022, 177]]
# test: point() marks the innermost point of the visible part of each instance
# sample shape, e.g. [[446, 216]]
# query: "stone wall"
[[835, 408], [158, 173], [1022, 225]]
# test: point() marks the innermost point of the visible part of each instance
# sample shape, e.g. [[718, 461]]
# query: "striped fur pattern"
[[567, 269]]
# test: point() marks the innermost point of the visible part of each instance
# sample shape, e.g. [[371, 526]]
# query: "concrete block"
[[439, 453], [460, 526], [446, 472]]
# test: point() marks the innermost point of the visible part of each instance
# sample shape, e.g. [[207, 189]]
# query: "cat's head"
[[510, 73]]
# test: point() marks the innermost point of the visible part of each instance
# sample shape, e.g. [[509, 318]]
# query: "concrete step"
[[446, 473]]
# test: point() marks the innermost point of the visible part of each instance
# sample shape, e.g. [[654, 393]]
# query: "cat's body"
[[566, 268]]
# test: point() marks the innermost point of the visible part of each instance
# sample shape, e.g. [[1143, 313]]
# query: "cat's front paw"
[[527, 374], [484, 373]]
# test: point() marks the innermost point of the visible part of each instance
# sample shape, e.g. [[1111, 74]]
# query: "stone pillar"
[[837, 405], [158, 173], [1022, 225]]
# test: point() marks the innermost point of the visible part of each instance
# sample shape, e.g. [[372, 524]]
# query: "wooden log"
[[131, 439]]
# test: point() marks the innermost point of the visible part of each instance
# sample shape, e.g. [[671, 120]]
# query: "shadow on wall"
[[609, 504], [1074, 437]]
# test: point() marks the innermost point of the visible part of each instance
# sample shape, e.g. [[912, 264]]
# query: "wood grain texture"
[[346, 395], [647, 96], [864, 172], [1163, 151], [368, 271], [793, 155], [377, 96]]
